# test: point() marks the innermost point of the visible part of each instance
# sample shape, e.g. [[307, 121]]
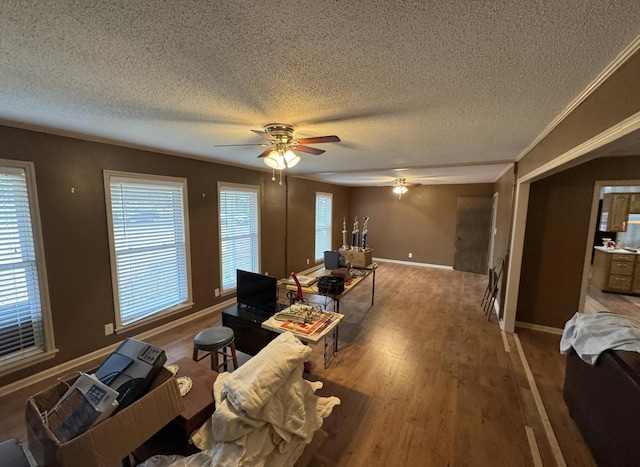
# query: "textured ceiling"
[[447, 91]]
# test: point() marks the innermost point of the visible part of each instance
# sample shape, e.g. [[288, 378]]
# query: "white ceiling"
[[436, 92]]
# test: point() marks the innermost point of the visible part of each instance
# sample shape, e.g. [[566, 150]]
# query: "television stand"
[[246, 323]]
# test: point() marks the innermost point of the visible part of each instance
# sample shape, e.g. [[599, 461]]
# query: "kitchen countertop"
[[618, 251]]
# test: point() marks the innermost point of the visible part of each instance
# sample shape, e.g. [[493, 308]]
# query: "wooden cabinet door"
[[634, 203], [618, 214], [621, 283], [635, 287]]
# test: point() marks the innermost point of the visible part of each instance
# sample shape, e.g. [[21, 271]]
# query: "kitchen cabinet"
[[616, 272], [616, 207], [635, 288], [634, 203]]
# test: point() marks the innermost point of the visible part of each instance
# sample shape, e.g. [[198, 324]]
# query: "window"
[[239, 231], [26, 334], [148, 234], [323, 224]]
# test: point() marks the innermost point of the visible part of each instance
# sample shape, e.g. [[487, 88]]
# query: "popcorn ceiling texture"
[[438, 85]]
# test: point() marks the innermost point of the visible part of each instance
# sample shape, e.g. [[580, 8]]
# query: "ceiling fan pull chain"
[[280, 177], [273, 174]]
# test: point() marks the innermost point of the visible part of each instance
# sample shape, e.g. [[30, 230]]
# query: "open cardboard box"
[[111, 440], [358, 258]]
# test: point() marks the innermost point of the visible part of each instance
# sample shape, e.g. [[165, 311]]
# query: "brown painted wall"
[[504, 188], [423, 222], [558, 220], [75, 229], [616, 99], [301, 225], [501, 248]]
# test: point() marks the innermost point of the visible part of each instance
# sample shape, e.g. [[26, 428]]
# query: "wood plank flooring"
[[621, 304], [548, 366], [423, 377]]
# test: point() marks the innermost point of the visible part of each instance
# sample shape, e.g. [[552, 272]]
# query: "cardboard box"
[[358, 258], [111, 440]]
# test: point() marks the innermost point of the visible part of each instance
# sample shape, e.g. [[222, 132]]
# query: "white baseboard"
[[66, 367], [538, 327], [411, 263]]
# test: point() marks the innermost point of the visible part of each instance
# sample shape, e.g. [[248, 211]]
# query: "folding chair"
[[494, 281], [490, 286]]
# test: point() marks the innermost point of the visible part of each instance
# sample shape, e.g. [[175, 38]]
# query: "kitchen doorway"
[[593, 298]]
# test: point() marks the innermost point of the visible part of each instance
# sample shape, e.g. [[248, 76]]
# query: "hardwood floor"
[[597, 300], [548, 366], [423, 377]]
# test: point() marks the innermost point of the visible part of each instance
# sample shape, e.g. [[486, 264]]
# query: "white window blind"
[[239, 231], [21, 318], [323, 223], [148, 246]]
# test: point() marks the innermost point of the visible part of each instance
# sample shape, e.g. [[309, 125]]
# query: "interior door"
[[473, 233]]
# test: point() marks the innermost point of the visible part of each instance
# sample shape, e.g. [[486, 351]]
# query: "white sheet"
[[593, 333], [265, 411]]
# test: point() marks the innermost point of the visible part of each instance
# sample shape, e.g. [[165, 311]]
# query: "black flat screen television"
[[257, 291]]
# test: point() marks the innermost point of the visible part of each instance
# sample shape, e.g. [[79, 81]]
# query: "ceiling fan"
[[281, 145]]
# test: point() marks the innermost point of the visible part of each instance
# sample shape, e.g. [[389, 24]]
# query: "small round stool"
[[218, 340]]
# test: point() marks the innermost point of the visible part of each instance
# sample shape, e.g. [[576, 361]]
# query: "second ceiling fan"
[[281, 145]]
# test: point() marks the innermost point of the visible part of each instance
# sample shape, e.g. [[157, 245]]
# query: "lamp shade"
[[275, 161], [291, 159]]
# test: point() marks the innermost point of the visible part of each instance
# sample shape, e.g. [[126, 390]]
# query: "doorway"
[[593, 299], [473, 228]]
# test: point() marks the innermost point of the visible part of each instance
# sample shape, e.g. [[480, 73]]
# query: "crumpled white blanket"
[[593, 333], [265, 411]]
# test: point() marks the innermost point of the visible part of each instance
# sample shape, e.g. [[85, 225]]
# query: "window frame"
[[240, 188], [152, 179], [25, 358], [329, 229]]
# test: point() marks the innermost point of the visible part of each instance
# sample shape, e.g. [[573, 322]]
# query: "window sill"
[[154, 318], [27, 362]]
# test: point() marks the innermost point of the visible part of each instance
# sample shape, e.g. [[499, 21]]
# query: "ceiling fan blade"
[[308, 149], [264, 134], [265, 153], [319, 139], [249, 144]]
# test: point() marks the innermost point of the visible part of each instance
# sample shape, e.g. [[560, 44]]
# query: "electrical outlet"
[[108, 329], [410, 255], [216, 292], [307, 260]]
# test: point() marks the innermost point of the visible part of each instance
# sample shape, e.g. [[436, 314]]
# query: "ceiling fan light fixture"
[[291, 159], [400, 187], [275, 161], [281, 145]]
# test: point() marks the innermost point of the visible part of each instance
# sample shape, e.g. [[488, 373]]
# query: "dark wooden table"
[[198, 407], [198, 403]]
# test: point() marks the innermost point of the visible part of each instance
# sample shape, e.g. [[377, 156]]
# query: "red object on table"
[[298, 296]]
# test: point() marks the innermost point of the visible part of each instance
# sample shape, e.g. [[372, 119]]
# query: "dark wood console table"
[[250, 337], [198, 407]]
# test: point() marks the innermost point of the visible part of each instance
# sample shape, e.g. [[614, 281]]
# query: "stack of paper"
[[305, 281]]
